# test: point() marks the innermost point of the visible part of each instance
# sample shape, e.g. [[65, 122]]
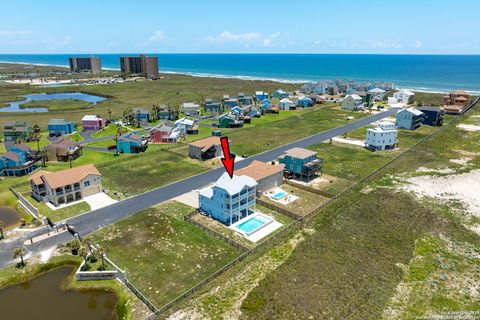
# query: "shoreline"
[[240, 77]]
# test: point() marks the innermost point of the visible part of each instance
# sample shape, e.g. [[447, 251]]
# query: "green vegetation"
[[56, 105], [142, 172], [165, 255]]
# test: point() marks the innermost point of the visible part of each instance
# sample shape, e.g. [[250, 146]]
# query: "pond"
[[43, 298], [15, 106], [9, 216]]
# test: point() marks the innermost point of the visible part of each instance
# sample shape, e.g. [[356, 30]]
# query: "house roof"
[[57, 122], [412, 110], [259, 170], [354, 96], [65, 177], [376, 90], [234, 185], [407, 92], [12, 156], [286, 100], [300, 153], [62, 142], [461, 98], [460, 92], [206, 143], [140, 110], [22, 147], [429, 108], [130, 136], [190, 105], [185, 121], [89, 117], [161, 127]]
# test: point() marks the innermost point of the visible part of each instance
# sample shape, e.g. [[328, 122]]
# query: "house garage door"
[[91, 190]]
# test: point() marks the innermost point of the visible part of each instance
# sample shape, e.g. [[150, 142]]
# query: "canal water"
[[15, 106], [43, 298], [9, 216]]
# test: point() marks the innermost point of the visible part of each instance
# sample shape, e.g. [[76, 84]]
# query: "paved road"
[[93, 220]]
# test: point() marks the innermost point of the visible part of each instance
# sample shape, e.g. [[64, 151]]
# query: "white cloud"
[[53, 44], [267, 42], [417, 44], [226, 36], [385, 44], [7, 33], [156, 37]]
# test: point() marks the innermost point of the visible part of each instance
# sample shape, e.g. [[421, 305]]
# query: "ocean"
[[433, 73]]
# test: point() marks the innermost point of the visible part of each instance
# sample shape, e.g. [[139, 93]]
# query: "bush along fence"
[[24, 203], [307, 188], [213, 233], [298, 224]]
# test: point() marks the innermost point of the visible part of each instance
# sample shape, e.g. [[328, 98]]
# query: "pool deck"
[[262, 231], [285, 200]]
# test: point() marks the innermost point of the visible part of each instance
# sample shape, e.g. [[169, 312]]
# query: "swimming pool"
[[279, 195], [253, 224]]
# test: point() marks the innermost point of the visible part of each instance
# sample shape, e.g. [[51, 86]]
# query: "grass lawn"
[[165, 255], [53, 105], [101, 143], [142, 172], [110, 130]]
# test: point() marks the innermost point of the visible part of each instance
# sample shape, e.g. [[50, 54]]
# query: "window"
[[86, 183]]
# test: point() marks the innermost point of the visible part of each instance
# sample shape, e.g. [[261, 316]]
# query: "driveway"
[[99, 200]]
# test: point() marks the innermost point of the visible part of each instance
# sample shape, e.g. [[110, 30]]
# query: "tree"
[[2, 225], [83, 252], [109, 111], [74, 245], [19, 253], [87, 242], [101, 252]]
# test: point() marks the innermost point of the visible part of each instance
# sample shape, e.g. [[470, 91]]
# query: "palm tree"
[[109, 111], [101, 252], [19, 252], [74, 245], [87, 242], [2, 225], [83, 252]]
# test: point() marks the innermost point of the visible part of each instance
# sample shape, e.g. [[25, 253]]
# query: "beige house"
[[67, 185], [205, 149], [266, 175]]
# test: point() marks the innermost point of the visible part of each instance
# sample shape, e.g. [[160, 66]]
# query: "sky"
[[245, 26]]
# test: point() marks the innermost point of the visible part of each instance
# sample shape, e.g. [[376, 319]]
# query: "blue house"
[[279, 94], [301, 163], [244, 100], [305, 102], [229, 199], [260, 95], [251, 111], [141, 115], [236, 111], [131, 142], [58, 127], [17, 161], [230, 103], [409, 119]]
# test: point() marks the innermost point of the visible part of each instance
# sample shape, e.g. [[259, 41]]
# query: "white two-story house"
[[383, 137]]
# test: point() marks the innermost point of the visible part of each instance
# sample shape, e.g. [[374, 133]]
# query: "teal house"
[[17, 161], [141, 115], [279, 94], [58, 127], [131, 142], [301, 163]]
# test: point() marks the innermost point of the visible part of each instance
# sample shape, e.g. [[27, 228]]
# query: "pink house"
[[164, 134], [90, 122]]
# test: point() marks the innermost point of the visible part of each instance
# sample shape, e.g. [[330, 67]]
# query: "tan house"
[[66, 185], [63, 150], [456, 102], [266, 175], [205, 148]]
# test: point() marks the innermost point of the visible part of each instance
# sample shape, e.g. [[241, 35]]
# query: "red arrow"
[[228, 159]]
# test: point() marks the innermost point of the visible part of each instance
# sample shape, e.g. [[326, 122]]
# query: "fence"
[[279, 209], [307, 188], [298, 223], [24, 203], [140, 296], [213, 233]]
